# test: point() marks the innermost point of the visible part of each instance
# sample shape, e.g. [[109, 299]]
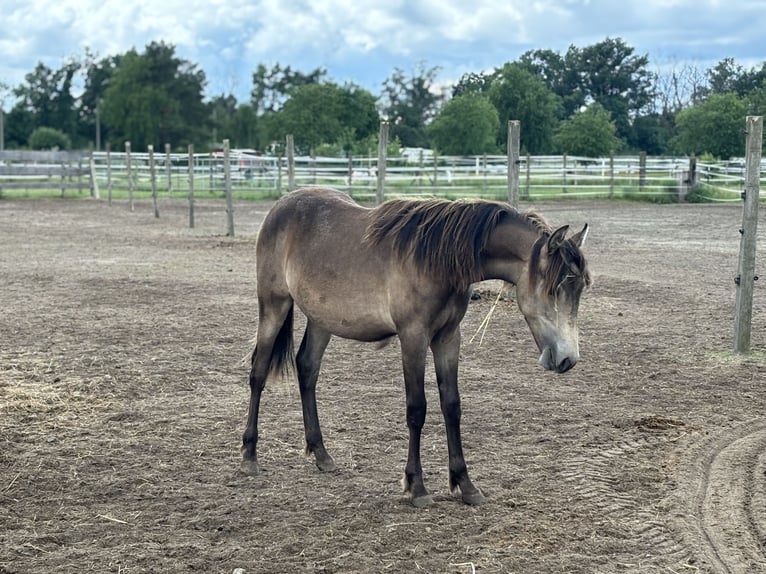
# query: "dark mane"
[[444, 237]]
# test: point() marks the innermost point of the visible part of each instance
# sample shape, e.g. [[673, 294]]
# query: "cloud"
[[363, 40]]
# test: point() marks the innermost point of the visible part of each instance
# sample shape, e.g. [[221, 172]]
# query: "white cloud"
[[364, 40]]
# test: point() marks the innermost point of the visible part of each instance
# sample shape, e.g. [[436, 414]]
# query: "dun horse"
[[403, 269]]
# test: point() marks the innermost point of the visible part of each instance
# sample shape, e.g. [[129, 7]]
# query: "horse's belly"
[[362, 321]]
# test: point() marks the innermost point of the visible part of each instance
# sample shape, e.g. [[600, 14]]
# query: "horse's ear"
[[579, 238], [557, 238]]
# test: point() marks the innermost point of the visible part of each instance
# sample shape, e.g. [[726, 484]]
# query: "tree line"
[[587, 101]]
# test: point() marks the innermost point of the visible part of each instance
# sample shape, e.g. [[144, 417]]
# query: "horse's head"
[[549, 296]]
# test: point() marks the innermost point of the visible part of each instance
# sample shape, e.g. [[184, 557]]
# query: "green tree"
[[45, 99], [409, 103], [727, 76], [49, 138], [589, 133], [272, 86], [98, 73], [714, 127], [466, 125], [473, 83], [607, 72], [155, 97], [517, 94], [328, 114]]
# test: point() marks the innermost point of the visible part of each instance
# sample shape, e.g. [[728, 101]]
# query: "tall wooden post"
[[746, 270], [168, 170], [153, 176], [380, 191], [109, 172], [514, 161], [191, 185], [130, 176], [290, 145], [227, 185]]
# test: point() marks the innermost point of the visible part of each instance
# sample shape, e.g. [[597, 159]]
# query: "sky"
[[363, 41]]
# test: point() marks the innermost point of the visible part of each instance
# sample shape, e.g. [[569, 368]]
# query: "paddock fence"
[[418, 173], [45, 170]]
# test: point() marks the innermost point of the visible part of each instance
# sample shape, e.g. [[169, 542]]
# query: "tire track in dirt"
[[595, 479], [722, 499]]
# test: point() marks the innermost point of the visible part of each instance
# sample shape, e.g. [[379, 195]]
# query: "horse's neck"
[[508, 251]]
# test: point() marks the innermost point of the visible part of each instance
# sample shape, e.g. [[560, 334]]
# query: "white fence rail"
[[423, 175]]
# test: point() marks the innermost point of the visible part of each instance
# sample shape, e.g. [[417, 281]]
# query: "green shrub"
[[49, 138]]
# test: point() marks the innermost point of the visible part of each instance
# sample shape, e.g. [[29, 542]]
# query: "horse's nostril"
[[565, 365]]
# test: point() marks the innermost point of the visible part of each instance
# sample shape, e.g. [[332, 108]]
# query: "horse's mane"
[[445, 238]]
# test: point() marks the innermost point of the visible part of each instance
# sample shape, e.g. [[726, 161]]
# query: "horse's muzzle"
[[550, 362]]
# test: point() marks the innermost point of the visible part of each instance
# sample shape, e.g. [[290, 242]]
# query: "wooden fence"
[[64, 170]]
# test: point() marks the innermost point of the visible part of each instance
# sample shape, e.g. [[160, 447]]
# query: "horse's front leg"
[[446, 351], [414, 362]]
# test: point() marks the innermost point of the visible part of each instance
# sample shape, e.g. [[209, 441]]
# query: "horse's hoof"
[[326, 464], [422, 501], [249, 467], [474, 498]]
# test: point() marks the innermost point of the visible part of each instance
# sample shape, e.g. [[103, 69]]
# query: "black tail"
[[283, 355]]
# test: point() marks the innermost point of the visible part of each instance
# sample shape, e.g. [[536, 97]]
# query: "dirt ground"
[[123, 394]]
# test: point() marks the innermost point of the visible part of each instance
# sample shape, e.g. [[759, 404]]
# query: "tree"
[[729, 77], [714, 126], [610, 74], [328, 114], [155, 97], [473, 83], [589, 133], [45, 99], [466, 125], [409, 103], [272, 86], [517, 94], [607, 72], [98, 73], [49, 138]]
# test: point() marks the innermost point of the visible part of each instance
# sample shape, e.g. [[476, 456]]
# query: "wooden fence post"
[[191, 185], [641, 170], [380, 191], [153, 176], [109, 172], [227, 185], [95, 192], [168, 170], [746, 269], [564, 173], [528, 181], [514, 161], [611, 174], [130, 176], [290, 145]]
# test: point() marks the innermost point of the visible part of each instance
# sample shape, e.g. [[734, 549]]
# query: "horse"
[[404, 268]]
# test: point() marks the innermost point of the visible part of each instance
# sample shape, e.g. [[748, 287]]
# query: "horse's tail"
[[282, 354]]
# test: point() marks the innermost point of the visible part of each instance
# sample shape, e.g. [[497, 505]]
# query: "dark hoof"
[[474, 497], [422, 501], [249, 467], [326, 464]]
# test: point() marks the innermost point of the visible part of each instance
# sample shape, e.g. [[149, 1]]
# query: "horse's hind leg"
[[308, 362], [274, 329]]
